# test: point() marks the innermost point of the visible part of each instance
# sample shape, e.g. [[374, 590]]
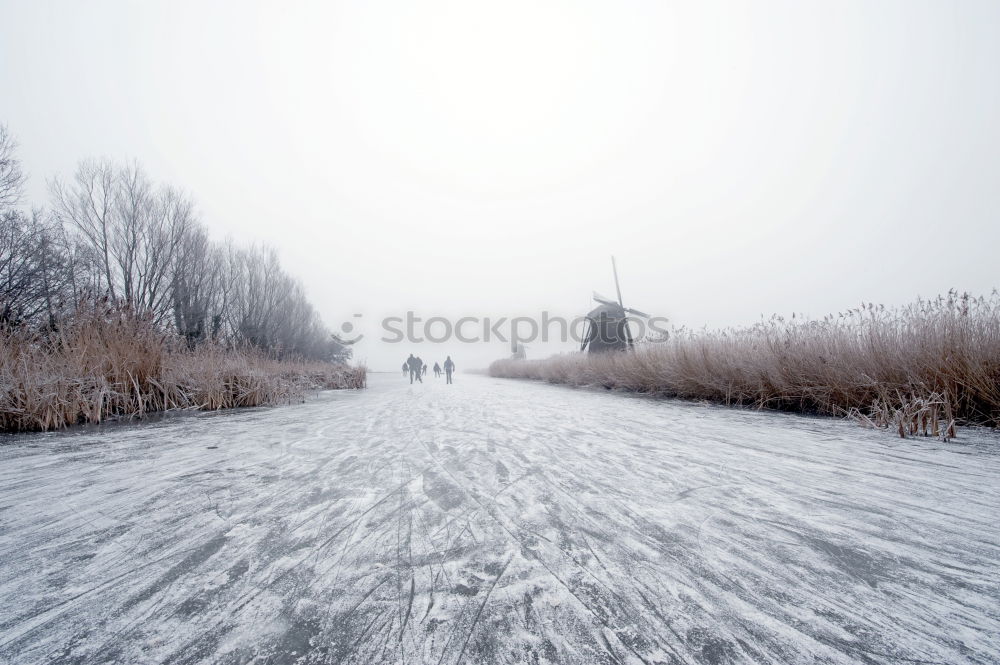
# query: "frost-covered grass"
[[919, 368], [114, 364]]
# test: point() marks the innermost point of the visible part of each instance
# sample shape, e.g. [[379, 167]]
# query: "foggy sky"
[[486, 158]]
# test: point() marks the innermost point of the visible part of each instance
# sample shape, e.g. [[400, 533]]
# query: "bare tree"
[[134, 230], [141, 246], [11, 177], [267, 308], [199, 287], [35, 269], [87, 208]]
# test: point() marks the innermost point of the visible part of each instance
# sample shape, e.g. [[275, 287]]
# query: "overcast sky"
[[486, 158]]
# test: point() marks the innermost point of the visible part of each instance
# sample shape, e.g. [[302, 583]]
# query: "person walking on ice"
[[449, 367], [415, 365], [406, 367], [437, 370]]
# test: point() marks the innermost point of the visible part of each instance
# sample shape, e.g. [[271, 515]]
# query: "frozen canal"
[[497, 521]]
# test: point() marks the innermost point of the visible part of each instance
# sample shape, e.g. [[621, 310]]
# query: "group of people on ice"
[[417, 368]]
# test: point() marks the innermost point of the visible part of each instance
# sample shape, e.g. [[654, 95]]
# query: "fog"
[[486, 159]]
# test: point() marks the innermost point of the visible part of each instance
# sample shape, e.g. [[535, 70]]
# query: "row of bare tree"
[[110, 233]]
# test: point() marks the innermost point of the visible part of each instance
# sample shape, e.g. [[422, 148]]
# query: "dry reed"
[[106, 364], [922, 368]]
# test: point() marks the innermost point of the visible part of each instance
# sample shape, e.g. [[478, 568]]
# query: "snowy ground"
[[497, 521]]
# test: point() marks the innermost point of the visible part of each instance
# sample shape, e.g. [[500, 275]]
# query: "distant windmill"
[[607, 324], [517, 350]]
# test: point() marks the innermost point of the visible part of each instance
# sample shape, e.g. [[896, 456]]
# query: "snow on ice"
[[497, 521]]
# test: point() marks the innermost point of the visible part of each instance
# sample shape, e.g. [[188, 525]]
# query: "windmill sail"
[[614, 269], [604, 300]]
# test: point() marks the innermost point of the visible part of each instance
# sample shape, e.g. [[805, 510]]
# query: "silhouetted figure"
[[414, 365], [425, 370], [406, 367], [437, 371], [449, 367]]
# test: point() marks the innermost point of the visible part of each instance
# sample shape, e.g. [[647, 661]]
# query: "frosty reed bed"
[[101, 365], [922, 368]]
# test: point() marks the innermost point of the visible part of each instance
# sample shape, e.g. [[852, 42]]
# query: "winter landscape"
[[539, 332]]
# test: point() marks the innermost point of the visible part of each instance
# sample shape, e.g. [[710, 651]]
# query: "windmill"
[[607, 324]]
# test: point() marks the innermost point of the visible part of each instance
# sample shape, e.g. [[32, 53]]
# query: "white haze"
[[486, 159]]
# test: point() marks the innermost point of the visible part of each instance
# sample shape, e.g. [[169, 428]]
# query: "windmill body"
[[607, 324], [607, 329]]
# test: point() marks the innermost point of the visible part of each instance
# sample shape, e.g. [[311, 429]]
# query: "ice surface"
[[497, 521]]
